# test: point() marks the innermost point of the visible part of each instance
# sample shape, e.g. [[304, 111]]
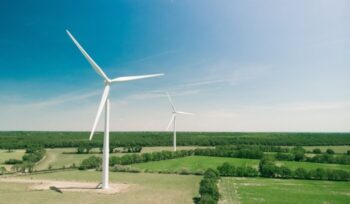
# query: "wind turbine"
[[173, 118], [105, 104]]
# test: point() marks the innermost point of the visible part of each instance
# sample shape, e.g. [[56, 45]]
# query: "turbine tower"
[[105, 104], [173, 119]]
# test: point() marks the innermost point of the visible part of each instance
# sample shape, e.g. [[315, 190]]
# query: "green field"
[[144, 188], [15, 154], [261, 190], [197, 163]]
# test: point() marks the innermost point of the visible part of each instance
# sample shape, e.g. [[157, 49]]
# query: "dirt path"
[[229, 192], [72, 186], [48, 159]]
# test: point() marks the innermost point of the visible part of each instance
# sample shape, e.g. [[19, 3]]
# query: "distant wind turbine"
[[173, 118], [105, 104]]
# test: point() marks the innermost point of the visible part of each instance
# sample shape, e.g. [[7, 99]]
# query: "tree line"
[[208, 188], [20, 140], [95, 162], [283, 154], [268, 168]]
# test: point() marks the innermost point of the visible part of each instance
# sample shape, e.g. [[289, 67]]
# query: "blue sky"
[[239, 65]]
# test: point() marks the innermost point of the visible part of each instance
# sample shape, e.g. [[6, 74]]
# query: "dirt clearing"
[[72, 186]]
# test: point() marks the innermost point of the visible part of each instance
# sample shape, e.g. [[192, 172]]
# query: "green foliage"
[[211, 174], [300, 173], [92, 162], [33, 154], [13, 161], [317, 151], [121, 168], [299, 153], [146, 157], [23, 167], [207, 199], [285, 156], [17, 140], [227, 169], [330, 158], [132, 149], [330, 151], [267, 168], [231, 151], [208, 188], [84, 148]]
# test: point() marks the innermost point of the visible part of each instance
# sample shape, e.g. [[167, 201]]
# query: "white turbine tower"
[[173, 119], [105, 104]]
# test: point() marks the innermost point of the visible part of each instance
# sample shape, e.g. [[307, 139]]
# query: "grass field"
[[15, 154], [261, 190], [58, 157], [337, 149], [145, 188], [5, 155], [196, 163]]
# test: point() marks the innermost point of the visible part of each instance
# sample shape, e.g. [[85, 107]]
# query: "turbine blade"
[[130, 78], [184, 113], [87, 56], [100, 108], [171, 102], [171, 120]]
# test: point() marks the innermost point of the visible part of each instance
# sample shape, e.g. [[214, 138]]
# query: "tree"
[[299, 153], [301, 173], [284, 172], [227, 169], [211, 174], [317, 151], [267, 168], [330, 151], [207, 199], [209, 187], [90, 163], [80, 149]]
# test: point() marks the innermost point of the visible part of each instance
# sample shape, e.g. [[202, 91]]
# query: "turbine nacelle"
[[174, 112]]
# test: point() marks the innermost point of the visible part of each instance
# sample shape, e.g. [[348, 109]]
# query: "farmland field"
[[145, 188], [262, 190], [197, 163]]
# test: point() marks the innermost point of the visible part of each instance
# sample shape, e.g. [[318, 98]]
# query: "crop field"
[[201, 163], [144, 188], [262, 190]]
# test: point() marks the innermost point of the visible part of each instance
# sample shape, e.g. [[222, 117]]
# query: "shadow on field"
[[59, 190]]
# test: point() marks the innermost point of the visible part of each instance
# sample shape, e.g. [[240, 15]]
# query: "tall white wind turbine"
[[173, 119], [105, 104]]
